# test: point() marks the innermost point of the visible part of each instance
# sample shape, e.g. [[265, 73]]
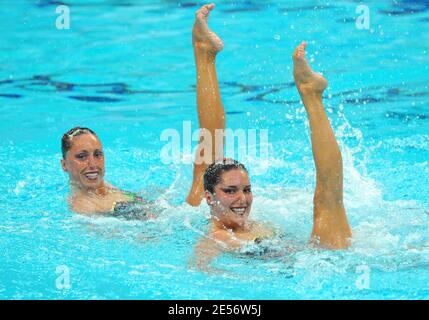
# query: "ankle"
[[204, 50], [309, 92]]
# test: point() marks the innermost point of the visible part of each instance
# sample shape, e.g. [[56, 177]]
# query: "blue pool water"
[[126, 69]]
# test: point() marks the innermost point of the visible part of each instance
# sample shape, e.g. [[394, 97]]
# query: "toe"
[[207, 8], [296, 53]]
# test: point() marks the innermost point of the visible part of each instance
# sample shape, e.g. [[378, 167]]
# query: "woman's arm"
[[205, 251]]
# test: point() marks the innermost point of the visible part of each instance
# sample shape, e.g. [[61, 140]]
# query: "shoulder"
[[84, 205], [221, 235], [80, 205], [224, 239], [263, 230]]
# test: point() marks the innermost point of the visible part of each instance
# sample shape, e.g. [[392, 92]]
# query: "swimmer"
[[225, 184], [83, 160]]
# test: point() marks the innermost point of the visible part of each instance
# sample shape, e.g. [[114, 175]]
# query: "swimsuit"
[[265, 247], [133, 197], [133, 209]]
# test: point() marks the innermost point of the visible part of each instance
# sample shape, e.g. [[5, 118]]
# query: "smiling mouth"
[[91, 175], [239, 210]]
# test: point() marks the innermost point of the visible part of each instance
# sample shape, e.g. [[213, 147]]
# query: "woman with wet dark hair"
[[225, 184]]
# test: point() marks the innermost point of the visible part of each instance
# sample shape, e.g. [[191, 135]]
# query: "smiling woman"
[[228, 192], [83, 160]]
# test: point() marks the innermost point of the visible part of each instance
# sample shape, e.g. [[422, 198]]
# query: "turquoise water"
[[126, 69]]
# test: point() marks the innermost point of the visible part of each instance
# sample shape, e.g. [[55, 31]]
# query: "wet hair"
[[214, 172], [66, 141]]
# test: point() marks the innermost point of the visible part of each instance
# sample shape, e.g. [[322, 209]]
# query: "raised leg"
[[330, 225], [211, 114]]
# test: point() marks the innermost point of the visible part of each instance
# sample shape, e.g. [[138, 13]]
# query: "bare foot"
[[307, 81], [202, 36]]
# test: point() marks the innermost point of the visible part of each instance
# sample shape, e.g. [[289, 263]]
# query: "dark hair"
[[214, 172], [66, 141]]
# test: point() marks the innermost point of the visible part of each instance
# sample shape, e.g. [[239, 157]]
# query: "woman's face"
[[232, 198], [84, 162]]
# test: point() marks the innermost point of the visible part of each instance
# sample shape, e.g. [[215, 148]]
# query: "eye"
[[248, 190], [81, 156], [98, 154], [229, 191]]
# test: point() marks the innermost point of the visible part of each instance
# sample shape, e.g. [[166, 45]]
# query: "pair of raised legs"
[[330, 224]]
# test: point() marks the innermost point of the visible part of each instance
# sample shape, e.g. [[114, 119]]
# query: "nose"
[[91, 161], [241, 196]]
